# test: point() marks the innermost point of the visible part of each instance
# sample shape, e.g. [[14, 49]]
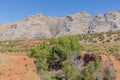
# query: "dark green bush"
[[51, 56]]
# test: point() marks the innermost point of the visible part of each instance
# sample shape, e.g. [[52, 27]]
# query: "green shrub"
[[70, 71], [41, 54], [49, 56]]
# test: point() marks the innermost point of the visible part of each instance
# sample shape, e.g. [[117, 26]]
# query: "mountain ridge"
[[39, 26]]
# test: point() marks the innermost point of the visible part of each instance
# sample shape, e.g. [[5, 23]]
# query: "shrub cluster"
[[50, 56], [61, 54]]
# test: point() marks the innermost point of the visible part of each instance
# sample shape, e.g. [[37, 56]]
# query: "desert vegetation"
[[61, 54], [59, 58], [111, 36]]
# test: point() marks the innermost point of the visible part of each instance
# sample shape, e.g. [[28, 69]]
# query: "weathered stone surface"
[[38, 26]]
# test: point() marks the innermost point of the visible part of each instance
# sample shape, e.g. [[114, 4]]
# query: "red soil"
[[92, 57], [17, 66]]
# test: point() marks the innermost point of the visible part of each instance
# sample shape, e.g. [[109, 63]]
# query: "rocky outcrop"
[[41, 27]]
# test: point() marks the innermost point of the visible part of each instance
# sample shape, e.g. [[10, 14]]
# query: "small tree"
[[41, 54]]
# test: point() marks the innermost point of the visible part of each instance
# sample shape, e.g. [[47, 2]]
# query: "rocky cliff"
[[38, 26]]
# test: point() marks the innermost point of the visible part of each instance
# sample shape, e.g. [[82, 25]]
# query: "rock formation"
[[41, 27]]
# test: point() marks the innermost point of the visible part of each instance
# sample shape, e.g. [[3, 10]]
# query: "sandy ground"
[[17, 66]]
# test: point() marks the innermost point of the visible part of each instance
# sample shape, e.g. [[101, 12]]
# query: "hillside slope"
[[41, 27]]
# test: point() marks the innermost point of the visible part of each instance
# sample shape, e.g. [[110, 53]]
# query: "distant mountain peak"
[[39, 26]]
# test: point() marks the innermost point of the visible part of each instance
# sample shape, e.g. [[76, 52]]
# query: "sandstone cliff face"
[[42, 27]]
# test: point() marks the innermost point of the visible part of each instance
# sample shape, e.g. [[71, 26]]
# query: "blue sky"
[[15, 10]]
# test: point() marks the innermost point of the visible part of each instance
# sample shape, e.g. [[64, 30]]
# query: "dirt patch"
[[109, 61], [29, 43], [17, 66], [116, 65]]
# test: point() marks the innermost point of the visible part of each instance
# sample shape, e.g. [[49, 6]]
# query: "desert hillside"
[[76, 47], [93, 56], [41, 27], [60, 40]]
